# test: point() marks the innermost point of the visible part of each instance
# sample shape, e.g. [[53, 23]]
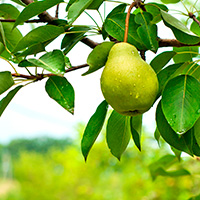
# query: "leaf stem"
[[184, 6], [92, 19], [10, 64], [100, 16], [28, 71], [104, 10], [194, 63]]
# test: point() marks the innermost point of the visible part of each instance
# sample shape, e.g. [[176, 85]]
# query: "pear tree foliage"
[[176, 65]]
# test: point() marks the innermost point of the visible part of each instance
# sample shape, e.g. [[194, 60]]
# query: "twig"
[[142, 54], [191, 15], [89, 42], [28, 21], [174, 43], [57, 11], [42, 76]]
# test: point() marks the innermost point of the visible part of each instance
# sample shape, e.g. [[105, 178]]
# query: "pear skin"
[[128, 83]]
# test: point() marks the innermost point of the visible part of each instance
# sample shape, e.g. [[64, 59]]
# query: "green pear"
[[128, 83]]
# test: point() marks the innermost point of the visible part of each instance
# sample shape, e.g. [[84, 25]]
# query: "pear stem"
[[127, 20]]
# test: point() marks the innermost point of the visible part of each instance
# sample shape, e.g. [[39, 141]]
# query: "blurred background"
[[40, 156], [54, 169]]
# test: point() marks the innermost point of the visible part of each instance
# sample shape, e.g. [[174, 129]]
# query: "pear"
[[128, 83]]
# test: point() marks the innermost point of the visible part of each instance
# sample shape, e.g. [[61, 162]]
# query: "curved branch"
[[127, 21], [136, 3]]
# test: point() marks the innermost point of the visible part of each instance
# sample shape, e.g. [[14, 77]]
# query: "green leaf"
[[181, 32], [166, 74], [117, 10], [174, 173], [4, 53], [95, 4], [195, 27], [9, 37], [6, 81], [185, 54], [93, 128], [39, 35], [181, 102], [2, 38], [69, 4], [143, 18], [52, 61], [170, 1], [34, 9], [161, 60], [60, 22], [59, 89], [163, 163], [147, 31], [148, 34], [115, 27], [73, 36], [159, 167], [2, 48], [197, 131], [7, 99], [8, 11], [34, 49], [98, 57], [136, 127], [188, 68], [191, 142], [76, 9], [26, 63], [169, 135], [154, 9], [176, 152], [19, 2], [118, 133], [157, 136]]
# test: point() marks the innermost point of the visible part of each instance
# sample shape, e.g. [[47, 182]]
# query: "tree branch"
[[174, 43], [42, 76], [89, 42], [28, 21]]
